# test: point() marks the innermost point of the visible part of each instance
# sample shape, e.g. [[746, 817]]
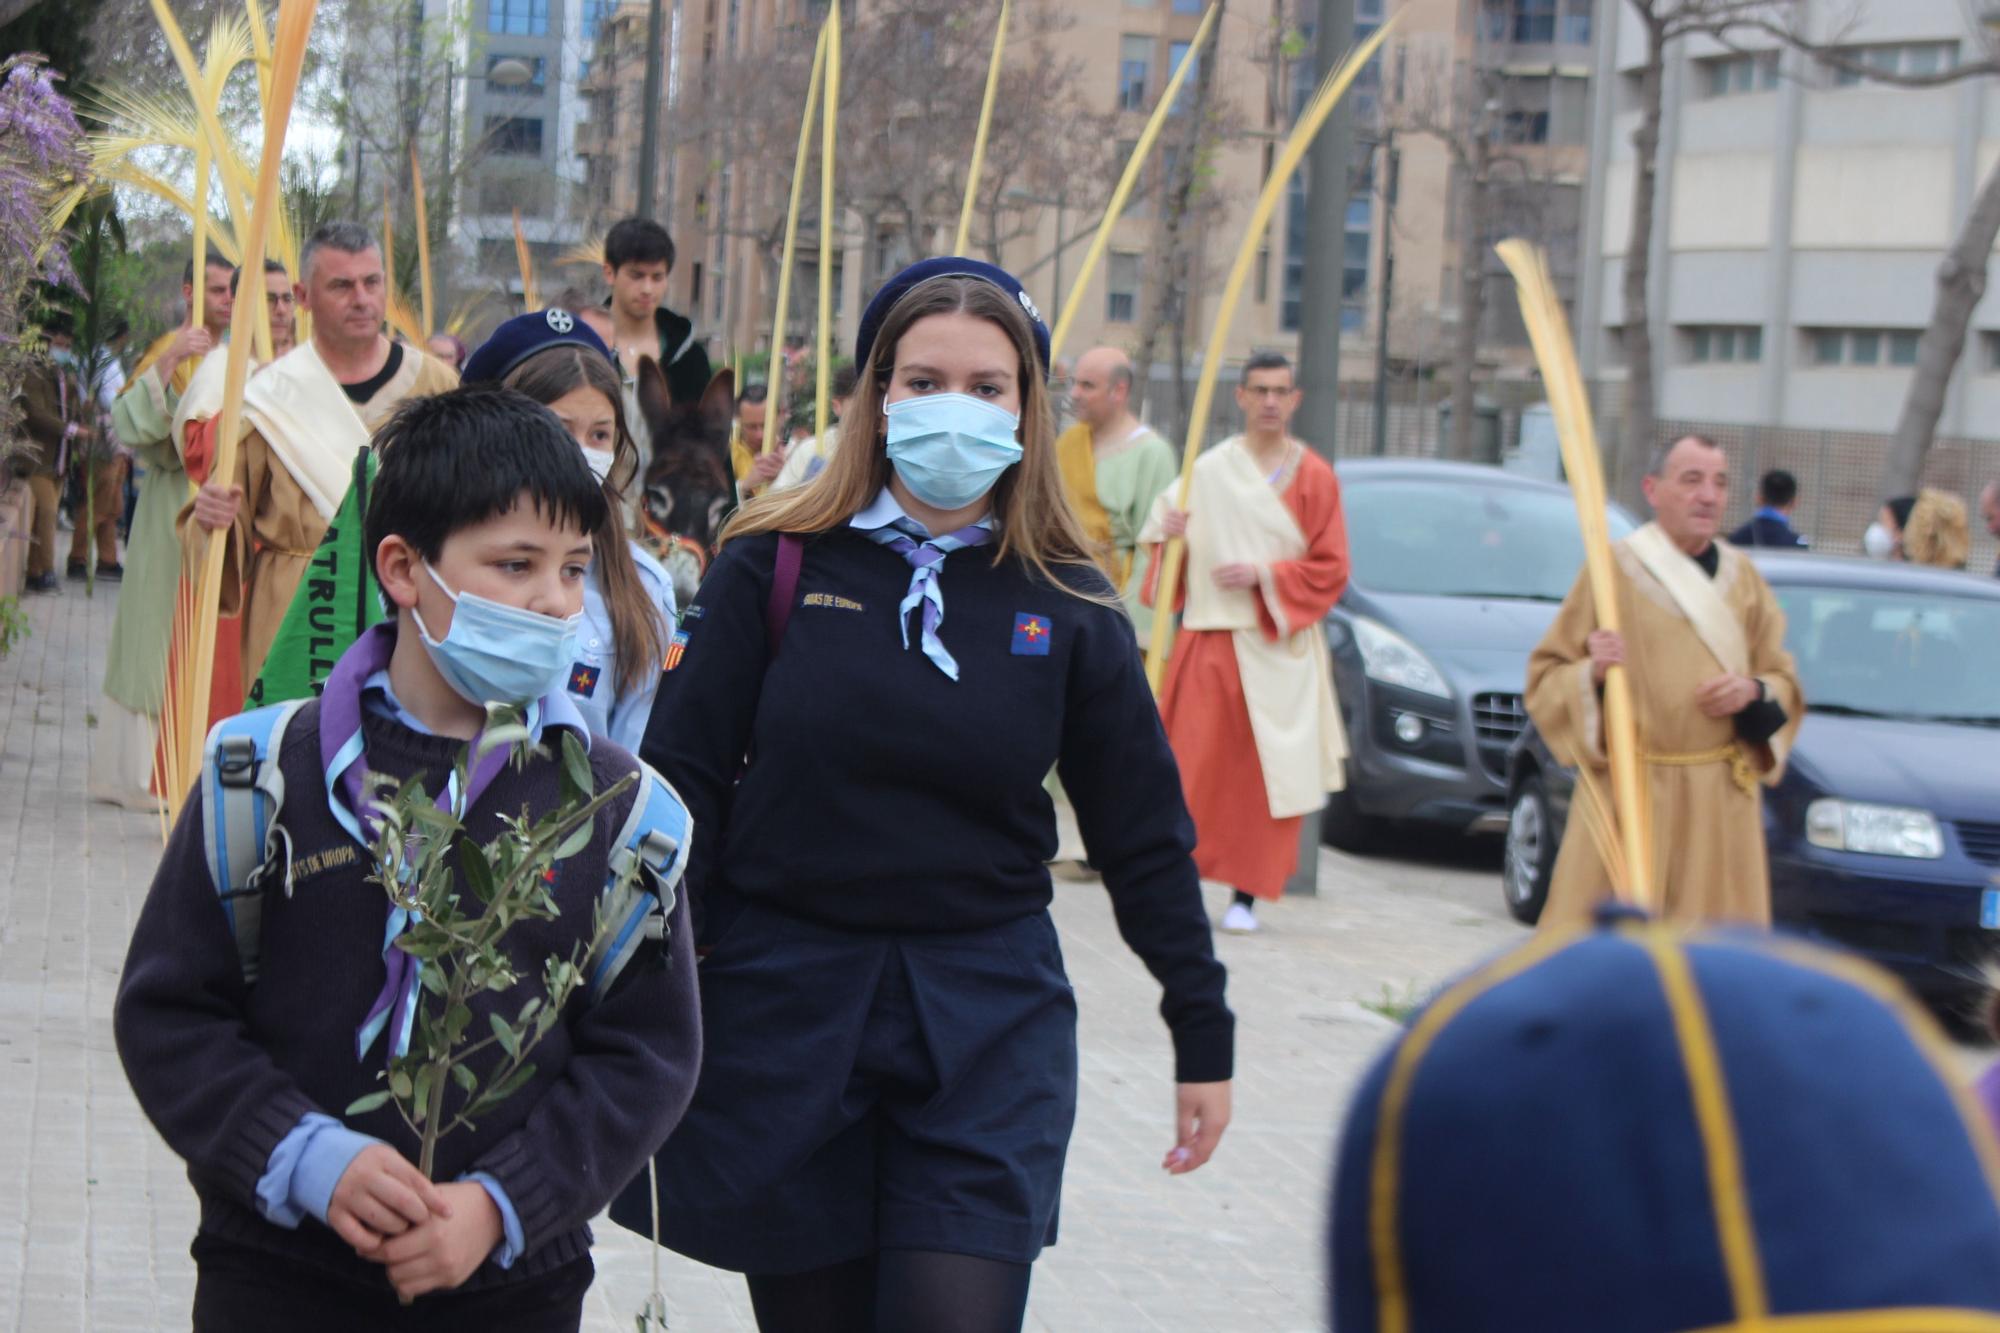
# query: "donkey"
[[689, 488]]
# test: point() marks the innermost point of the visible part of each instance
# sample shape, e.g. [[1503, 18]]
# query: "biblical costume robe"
[[1112, 490], [1703, 775], [135, 667], [1248, 700], [294, 463]]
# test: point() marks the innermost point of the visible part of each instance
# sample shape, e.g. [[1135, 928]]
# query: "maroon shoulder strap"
[[784, 589]]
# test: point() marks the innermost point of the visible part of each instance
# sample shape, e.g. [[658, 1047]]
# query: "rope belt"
[[1731, 754], [286, 550]]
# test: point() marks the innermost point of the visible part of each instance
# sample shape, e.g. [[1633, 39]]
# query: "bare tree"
[[1189, 200], [1663, 22], [1962, 272]]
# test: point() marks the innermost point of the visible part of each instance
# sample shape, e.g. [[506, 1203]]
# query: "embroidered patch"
[[676, 649], [1031, 635], [583, 679], [832, 600], [693, 612], [313, 863]]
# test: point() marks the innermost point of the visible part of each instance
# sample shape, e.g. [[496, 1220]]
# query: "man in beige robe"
[[304, 416], [1715, 695]]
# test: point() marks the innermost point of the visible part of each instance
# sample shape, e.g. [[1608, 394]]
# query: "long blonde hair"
[[1937, 533], [1032, 512]]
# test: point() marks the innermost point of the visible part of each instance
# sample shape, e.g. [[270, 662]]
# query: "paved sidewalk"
[[96, 1214]]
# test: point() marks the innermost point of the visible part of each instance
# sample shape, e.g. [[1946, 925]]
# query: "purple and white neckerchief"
[[342, 760], [925, 554]]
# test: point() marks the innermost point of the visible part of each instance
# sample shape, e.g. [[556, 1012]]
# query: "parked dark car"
[[1884, 833], [1458, 570]]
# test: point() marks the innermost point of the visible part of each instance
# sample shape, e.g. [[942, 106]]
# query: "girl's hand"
[[1201, 1113]]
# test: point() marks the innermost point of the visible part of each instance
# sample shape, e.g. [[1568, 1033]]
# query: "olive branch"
[[422, 858]]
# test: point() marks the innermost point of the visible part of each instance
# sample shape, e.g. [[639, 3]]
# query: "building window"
[[1521, 20], [1525, 127], [1135, 69], [514, 136], [1725, 76], [1354, 265], [1291, 309], [594, 14], [1189, 6], [1177, 52], [1576, 22], [518, 18], [1864, 347], [1121, 288], [536, 85], [1910, 59], [1724, 344], [1991, 343]]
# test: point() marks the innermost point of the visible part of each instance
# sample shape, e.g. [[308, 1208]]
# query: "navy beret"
[[523, 336], [1609, 1130], [947, 266]]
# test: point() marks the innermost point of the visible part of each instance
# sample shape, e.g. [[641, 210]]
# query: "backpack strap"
[[242, 794], [649, 857], [784, 589]]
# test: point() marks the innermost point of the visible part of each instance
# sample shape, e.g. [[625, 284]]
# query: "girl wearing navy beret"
[[860, 708]]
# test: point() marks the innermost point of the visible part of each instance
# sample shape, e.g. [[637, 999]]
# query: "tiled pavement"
[[96, 1215]]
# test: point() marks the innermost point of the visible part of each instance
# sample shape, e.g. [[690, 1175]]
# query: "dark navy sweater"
[[225, 1071], [881, 795]]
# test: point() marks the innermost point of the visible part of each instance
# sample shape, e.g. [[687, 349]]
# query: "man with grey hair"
[[1113, 468], [1714, 693], [305, 417]]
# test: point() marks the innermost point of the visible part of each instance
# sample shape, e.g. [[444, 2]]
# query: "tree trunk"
[[1635, 441], [1471, 307], [1961, 282]]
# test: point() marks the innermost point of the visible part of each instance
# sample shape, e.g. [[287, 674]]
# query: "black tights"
[[895, 1291], [1243, 899]]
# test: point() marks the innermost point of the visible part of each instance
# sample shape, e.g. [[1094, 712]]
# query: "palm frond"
[[589, 253]]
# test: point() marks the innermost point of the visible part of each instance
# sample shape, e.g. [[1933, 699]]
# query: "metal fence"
[[1839, 472]]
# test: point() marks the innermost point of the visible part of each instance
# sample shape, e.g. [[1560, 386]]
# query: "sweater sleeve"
[[1122, 779], [215, 1096], [629, 1077], [699, 733]]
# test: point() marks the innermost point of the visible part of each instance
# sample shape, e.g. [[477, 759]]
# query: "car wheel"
[[1531, 851], [1343, 824]]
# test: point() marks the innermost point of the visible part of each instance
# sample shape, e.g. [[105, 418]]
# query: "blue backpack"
[[249, 851]]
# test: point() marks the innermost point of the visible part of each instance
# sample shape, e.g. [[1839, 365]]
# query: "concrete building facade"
[[1802, 214]]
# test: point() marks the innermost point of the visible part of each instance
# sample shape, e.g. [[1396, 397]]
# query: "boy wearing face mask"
[[310, 1219]]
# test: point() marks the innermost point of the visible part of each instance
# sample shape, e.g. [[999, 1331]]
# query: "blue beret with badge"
[[523, 336], [947, 266], [1639, 1129]]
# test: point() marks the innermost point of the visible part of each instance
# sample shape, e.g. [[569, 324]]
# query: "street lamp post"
[[506, 72], [1018, 196]]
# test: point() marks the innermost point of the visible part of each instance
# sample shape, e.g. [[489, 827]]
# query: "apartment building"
[[1802, 215], [1533, 59]]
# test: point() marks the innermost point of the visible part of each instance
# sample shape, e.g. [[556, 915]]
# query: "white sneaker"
[[1239, 920]]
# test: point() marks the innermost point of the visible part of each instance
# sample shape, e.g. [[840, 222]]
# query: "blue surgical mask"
[[949, 448], [62, 356], [495, 653]]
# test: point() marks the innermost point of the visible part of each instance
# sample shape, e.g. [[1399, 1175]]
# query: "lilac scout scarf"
[[925, 557], [341, 754]]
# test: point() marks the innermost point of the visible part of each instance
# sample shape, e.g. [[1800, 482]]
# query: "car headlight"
[[1392, 659], [1879, 830]]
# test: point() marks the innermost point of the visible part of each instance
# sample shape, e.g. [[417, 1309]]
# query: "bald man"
[[1113, 468]]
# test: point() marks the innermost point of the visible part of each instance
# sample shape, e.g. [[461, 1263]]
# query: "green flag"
[[336, 600]]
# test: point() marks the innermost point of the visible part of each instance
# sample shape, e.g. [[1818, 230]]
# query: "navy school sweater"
[[882, 796], [225, 1071]]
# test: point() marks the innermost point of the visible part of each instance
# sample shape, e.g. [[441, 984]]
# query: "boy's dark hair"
[[752, 393], [270, 266], [845, 381], [1778, 488], [638, 241], [460, 458], [1267, 361], [58, 324]]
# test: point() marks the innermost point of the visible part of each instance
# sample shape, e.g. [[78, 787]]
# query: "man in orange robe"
[[1248, 701]]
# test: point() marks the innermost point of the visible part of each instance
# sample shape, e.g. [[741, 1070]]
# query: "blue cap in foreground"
[[1639, 1130]]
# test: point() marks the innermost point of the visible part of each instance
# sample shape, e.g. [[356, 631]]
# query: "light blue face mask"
[[949, 448], [495, 653]]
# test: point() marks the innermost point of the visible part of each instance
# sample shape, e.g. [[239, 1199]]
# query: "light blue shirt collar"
[[556, 709], [886, 509]]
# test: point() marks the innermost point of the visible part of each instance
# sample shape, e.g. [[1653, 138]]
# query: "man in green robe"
[[135, 671], [1114, 467]]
